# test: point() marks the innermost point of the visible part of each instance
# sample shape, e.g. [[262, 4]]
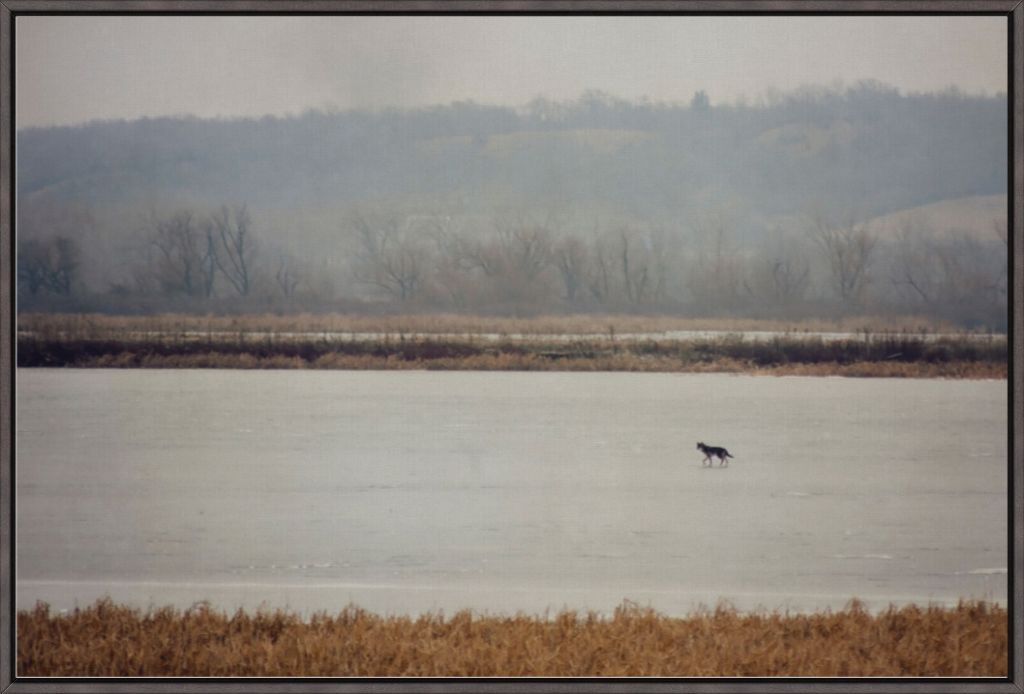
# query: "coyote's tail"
[[729, 455]]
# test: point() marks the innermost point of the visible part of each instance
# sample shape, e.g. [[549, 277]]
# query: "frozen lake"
[[413, 491]]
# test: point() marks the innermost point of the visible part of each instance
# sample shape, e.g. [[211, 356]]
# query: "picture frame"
[[11, 10]]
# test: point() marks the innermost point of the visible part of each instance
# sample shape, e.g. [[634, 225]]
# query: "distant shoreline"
[[127, 358], [895, 357], [107, 639], [471, 344]]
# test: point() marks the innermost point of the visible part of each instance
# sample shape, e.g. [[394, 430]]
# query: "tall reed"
[[106, 639]]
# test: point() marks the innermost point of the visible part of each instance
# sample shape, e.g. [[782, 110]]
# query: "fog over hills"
[[450, 188]]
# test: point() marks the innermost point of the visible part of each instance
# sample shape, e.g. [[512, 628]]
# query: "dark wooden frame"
[[1013, 10]]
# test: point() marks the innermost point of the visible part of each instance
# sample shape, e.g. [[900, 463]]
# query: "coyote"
[[714, 452]]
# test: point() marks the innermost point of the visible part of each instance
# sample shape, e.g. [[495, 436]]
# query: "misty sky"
[[76, 69]]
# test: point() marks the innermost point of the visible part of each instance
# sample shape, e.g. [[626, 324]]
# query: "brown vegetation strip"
[[111, 640], [529, 362], [888, 355]]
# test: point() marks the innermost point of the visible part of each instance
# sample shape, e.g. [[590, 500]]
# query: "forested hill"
[[593, 204], [867, 148]]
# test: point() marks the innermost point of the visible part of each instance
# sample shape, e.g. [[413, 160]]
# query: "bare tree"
[[50, 265], [914, 267], [452, 270], [52, 231], [518, 248], [33, 265], [66, 257], [959, 275], [287, 275], [182, 255], [509, 265], [208, 261], [527, 247], [970, 274], [572, 261], [779, 278], [236, 250], [789, 278], [634, 264], [715, 272], [599, 273], [391, 257], [849, 249], [480, 255]]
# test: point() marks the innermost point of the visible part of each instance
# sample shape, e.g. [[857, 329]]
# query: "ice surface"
[[411, 491]]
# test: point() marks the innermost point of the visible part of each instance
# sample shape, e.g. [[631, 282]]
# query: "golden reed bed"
[[111, 640]]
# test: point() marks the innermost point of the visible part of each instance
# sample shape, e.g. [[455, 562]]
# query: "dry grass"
[[110, 640], [98, 325]]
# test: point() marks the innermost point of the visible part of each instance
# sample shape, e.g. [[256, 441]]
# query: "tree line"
[[592, 204], [526, 262]]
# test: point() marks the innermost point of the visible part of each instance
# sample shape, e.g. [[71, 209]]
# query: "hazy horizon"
[[74, 70], [759, 100], [420, 167]]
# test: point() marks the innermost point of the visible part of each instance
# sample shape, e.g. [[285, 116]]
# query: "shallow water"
[[412, 491]]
